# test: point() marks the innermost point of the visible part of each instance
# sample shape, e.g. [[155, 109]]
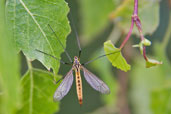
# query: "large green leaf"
[[29, 21], [142, 81], [116, 58], [95, 16], [37, 89], [161, 100], [148, 13], [9, 69]]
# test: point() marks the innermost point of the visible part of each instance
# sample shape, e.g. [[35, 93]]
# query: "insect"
[[66, 84]]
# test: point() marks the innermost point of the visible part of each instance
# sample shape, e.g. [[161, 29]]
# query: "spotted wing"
[[95, 82], [64, 87]]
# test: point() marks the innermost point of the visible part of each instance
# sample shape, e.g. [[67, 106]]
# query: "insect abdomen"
[[79, 87]]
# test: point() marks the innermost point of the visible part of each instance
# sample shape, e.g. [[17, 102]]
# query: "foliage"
[[116, 58], [145, 83], [160, 100], [9, 70], [37, 92], [29, 21], [24, 27]]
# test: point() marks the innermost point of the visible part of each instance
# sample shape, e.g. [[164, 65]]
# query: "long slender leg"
[[54, 57], [69, 57]]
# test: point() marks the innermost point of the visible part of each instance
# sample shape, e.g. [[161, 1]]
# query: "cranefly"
[[66, 84]]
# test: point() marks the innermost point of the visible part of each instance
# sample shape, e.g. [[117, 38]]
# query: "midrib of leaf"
[[31, 92], [31, 87], [14, 21], [41, 30]]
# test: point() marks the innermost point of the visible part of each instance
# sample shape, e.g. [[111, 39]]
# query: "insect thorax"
[[76, 63]]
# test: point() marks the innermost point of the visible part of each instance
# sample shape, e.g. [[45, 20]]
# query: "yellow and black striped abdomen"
[[79, 87]]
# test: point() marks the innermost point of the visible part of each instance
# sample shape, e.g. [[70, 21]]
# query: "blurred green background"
[[138, 91]]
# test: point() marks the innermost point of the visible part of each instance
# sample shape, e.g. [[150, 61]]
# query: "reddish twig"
[[135, 20], [128, 35]]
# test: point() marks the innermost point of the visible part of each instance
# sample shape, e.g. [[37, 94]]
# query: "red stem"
[[135, 7], [144, 53], [135, 13], [128, 35], [135, 19]]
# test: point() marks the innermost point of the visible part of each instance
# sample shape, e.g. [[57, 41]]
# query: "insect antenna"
[[69, 57], [53, 57], [76, 34], [99, 58]]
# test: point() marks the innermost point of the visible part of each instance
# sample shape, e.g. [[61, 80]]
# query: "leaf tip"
[[152, 62]]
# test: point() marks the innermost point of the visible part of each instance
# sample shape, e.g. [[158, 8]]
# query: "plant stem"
[[144, 53], [31, 86], [29, 64], [134, 19], [128, 35], [135, 7]]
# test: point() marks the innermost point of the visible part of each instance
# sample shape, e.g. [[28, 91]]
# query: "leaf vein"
[[41, 30], [14, 21], [31, 92]]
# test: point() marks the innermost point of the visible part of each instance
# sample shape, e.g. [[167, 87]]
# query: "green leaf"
[[95, 16], [9, 69], [161, 97], [145, 81], [161, 100], [29, 21], [148, 14], [152, 62], [37, 90], [142, 82], [105, 73], [116, 59]]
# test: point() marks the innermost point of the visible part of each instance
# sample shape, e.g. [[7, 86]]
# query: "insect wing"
[[95, 82], [64, 87]]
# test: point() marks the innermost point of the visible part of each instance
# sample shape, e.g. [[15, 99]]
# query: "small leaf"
[[37, 89], [29, 19], [116, 59], [152, 62]]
